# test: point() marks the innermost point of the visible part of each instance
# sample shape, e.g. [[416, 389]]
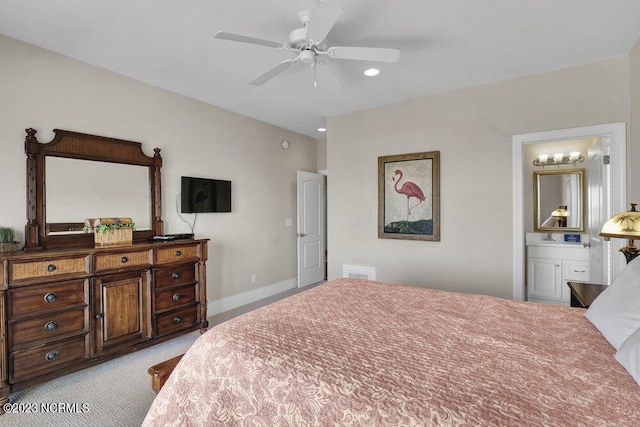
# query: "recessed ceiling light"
[[371, 72], [322, 129]]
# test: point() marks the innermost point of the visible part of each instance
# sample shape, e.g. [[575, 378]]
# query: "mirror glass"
[[80, 189], [559, 200]]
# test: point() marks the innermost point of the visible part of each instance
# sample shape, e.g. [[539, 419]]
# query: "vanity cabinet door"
[[544, 278], [121, 310]]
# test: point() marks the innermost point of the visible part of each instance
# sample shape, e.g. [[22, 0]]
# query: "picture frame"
[[409, 196]]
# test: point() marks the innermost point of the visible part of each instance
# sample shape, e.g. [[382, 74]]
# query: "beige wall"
[[322, 154], [633, 164], [473, 131], [44, 90]]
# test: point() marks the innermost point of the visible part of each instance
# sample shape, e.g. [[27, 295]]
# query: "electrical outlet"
[[253, 278]]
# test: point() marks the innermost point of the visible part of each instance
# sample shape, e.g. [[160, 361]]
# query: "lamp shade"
[[561, 212], [623, 225]]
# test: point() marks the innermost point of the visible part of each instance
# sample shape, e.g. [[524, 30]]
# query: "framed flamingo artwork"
[[409, 196]]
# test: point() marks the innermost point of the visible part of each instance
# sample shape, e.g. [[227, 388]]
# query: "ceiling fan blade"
[[323, 18], [364, 53], [251, 40], [272, 72]]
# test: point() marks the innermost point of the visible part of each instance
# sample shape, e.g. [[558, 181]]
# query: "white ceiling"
[[445, 45]]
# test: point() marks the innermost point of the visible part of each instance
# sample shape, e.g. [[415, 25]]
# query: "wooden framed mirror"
[[77, 176], [559, 200]]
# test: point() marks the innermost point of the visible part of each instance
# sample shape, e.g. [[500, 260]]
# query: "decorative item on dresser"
[[66, 303], [7, 240]]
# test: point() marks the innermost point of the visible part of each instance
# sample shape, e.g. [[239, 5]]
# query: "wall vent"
[[358, 272]]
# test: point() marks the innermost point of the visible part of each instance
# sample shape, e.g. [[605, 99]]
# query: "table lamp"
[[625, 225]]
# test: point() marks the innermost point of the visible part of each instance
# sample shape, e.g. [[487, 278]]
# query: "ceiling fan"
[[308, 43]]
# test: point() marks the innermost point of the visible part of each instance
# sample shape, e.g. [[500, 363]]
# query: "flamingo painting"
[[409, 189]]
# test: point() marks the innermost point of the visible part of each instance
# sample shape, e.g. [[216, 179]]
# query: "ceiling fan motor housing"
[[298, 37]]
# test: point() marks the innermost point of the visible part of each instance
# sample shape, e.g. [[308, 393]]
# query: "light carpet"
[[115, 393]]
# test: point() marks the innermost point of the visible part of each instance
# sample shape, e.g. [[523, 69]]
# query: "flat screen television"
[[205, 195]]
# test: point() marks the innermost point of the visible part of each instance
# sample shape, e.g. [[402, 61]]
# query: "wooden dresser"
[[66, 309], [66, 304]]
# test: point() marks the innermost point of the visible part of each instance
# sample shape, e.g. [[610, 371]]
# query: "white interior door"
[[311, 256], [597, 196]]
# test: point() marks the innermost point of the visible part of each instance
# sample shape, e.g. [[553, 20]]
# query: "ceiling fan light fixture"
[[371, 72]]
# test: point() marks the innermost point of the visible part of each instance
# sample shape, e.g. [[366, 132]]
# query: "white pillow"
[[629, 355], [616, 311]]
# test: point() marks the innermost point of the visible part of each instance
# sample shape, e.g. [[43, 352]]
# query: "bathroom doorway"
[[613, 181]]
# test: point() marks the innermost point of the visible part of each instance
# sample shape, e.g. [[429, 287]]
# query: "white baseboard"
[[235, 301]]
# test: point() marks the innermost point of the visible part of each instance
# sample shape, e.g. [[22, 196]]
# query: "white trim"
[[618, 202], [244, 298]]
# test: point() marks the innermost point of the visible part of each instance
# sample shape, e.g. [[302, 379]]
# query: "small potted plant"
[[8, 240]]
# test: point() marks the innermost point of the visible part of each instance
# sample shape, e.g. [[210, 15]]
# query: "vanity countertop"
[[539, 239]]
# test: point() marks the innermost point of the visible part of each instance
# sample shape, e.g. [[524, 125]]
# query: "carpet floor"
[[115, 393]]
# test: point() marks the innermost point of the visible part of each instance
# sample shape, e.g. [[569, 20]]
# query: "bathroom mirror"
[[559, 200]]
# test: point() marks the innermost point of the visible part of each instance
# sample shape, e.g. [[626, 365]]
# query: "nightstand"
[[583, 294]]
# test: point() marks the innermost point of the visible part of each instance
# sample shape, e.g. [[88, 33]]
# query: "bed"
[[366, 353]]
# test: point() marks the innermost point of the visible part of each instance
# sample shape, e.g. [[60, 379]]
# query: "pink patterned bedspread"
[[364, 353]]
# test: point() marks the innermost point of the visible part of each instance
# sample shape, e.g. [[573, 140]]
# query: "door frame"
[[617, 132]]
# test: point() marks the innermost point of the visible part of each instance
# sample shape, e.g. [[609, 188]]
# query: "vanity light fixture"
[[625, 225], [573, 158]]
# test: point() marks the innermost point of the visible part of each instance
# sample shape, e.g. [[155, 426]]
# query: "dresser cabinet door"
[[121, 310]]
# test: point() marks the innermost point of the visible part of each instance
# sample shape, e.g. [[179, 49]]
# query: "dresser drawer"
[[175, 298], [120, 260], [176, 253], [175, 320], [35, 299], [48, 327], [44, 359], [29, 271], [178, 275]]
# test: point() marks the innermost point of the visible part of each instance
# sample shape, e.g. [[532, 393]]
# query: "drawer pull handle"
[[50, 297], [51, 268], [175, 276], [99, 316], [51, 326], [579, 271], [52, 355], [124, 260], [176, 297], [178, 253], [177, 319]]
